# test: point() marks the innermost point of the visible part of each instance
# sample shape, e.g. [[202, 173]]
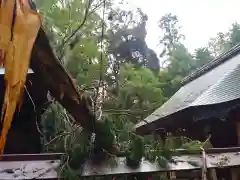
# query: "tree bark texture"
[[56, 79]]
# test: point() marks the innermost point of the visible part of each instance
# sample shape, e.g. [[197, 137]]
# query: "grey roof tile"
[[218, 85]]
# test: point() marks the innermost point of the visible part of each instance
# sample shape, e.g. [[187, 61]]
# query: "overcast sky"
[[200, 19]]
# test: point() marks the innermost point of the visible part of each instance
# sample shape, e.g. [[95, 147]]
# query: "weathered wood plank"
[[182, 163], [29, 169], [44, 166]]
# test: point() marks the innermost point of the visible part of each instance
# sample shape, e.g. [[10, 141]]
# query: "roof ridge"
[[211, 64]]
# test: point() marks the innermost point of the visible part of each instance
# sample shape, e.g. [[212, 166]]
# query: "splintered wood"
[[19, 27]]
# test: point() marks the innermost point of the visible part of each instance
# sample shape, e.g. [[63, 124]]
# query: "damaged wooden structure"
[[208, 103], [44, 166], [46, 75]]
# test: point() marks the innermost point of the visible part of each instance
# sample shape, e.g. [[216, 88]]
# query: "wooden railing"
[[43, 166]]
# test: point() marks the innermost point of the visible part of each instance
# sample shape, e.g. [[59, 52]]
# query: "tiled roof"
[[207, 86]]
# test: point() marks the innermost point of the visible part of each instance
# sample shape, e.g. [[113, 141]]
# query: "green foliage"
[[136, 150], [105, 135], [234, 36], [191, 146], [126, 40], [72, 162], [225, 40], [202, 56], [171, 36], [135, 84], [53, 127], [138, 85]]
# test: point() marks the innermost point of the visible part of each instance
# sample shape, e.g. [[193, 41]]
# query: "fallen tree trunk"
[[45, 64]]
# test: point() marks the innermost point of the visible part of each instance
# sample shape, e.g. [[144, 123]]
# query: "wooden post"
[[172, 175], [234, 174], [238, 132], [212, 172], [212, 175], [234, 171]]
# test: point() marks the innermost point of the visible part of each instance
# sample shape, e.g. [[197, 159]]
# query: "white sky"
[[200, 19]]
